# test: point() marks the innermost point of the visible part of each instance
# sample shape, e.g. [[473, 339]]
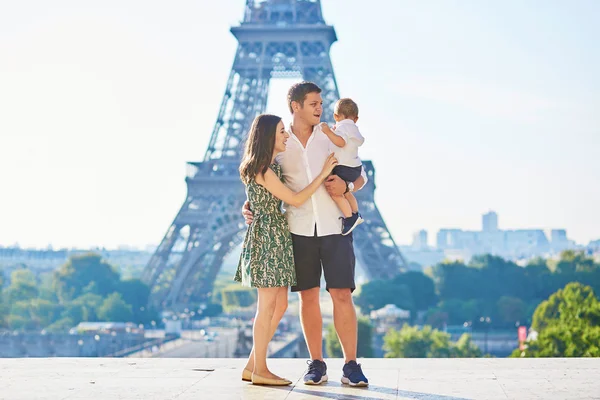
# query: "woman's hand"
[[330, 164]]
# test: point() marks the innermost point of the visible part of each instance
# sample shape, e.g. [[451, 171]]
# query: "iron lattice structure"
[[277, 38]]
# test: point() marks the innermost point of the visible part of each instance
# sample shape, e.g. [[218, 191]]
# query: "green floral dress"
[[267, 258]]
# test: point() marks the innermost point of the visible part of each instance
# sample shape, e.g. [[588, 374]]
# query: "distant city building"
[[510, 244], [420, 240], [489, 222]]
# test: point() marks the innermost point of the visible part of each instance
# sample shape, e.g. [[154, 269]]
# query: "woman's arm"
[[272, 183]]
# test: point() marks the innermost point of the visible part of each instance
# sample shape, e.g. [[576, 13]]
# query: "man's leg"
[[344, 319], [308, 275], [337, 254], [312, 322]]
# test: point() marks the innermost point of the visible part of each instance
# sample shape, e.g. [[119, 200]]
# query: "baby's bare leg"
[[343, 205], [352, 201]]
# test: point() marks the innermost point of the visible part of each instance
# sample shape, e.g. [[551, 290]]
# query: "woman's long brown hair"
[[259, 147]]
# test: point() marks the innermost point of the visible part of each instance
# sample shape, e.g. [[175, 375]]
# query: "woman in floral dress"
[[267, 260]]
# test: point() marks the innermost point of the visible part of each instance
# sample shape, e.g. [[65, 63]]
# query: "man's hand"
[[335, 186], [248, 216]]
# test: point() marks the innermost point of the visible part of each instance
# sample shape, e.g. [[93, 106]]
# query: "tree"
[[465, 348], [235, 296], [378, 293], [421, 287], [365, 340], [511, 309], [115, 309], [412, 342], [85, 273], [568, 325], [23, 286], [136, 293], [83, 309], [574, 261], [332, 343], [2, 306]]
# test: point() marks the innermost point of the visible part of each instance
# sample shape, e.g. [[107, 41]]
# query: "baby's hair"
[[347, 108]]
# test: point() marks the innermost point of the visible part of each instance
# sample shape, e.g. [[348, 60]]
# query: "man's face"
[[311, 110]]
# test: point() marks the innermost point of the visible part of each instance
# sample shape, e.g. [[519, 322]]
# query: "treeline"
[[501, 292], [86, 288], [567, 324]]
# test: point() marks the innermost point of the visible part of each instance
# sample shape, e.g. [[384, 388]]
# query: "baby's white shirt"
[[348, 155]]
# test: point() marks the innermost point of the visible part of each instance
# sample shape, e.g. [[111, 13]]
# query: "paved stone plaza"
[[423, 379]]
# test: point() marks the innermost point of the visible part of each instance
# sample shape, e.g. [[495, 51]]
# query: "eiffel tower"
[[277, 38]]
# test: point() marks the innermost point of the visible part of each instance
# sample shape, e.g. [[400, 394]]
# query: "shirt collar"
[[345, 121]]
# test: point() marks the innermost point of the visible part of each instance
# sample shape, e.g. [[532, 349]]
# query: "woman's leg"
[[267, 298], [281, 304]]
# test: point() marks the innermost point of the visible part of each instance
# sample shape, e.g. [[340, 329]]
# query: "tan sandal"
[[261, 380], [247, 375]]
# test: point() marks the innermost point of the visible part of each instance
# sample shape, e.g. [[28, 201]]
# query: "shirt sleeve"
[[356, 136], [341, 132], [363, 173]]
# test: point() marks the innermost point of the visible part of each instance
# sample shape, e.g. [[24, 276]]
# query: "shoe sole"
[[311, 382], [346, 381], [357, 223]]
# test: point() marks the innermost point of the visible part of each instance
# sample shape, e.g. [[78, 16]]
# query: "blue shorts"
[[333, 253]]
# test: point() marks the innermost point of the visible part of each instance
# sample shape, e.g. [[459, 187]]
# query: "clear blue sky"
[[466, 106]]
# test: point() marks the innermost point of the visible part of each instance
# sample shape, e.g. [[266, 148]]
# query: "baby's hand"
[[324, 127]]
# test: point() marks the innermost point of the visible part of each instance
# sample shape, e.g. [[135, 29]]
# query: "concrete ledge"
[[176, 378]]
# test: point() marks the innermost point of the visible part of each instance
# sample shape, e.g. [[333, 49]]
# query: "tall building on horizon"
[[420, 240], [489, 222]]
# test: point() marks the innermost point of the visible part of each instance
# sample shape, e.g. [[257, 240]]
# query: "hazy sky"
[[465, 105]]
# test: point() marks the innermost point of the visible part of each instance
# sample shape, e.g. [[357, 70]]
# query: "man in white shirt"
[[318, 243]]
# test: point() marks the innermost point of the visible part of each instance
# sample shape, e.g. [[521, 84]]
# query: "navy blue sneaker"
[[353, 375], [348, 224], [317, 372]]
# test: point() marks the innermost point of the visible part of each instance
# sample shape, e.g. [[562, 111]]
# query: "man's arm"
[[336, 186], [246, 213]]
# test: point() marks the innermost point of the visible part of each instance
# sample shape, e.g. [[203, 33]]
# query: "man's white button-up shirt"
[[300, 166]]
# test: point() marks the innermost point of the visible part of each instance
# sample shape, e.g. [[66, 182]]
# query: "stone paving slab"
[[185, 378]]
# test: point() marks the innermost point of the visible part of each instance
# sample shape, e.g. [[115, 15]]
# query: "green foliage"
[[412, 342], [136, 293], [377, 293], [332, 342], [504, 291], [84, 289], [23, 286], [413, 291], [212, 310], [568, 325], [365, 340], [114, 308], [511, 309], [235, 296], [85, 273], [421, 288]]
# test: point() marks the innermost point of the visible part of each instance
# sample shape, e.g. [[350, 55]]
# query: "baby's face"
[[337, 117]]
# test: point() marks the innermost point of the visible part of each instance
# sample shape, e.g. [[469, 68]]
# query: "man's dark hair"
[[298, 93]]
